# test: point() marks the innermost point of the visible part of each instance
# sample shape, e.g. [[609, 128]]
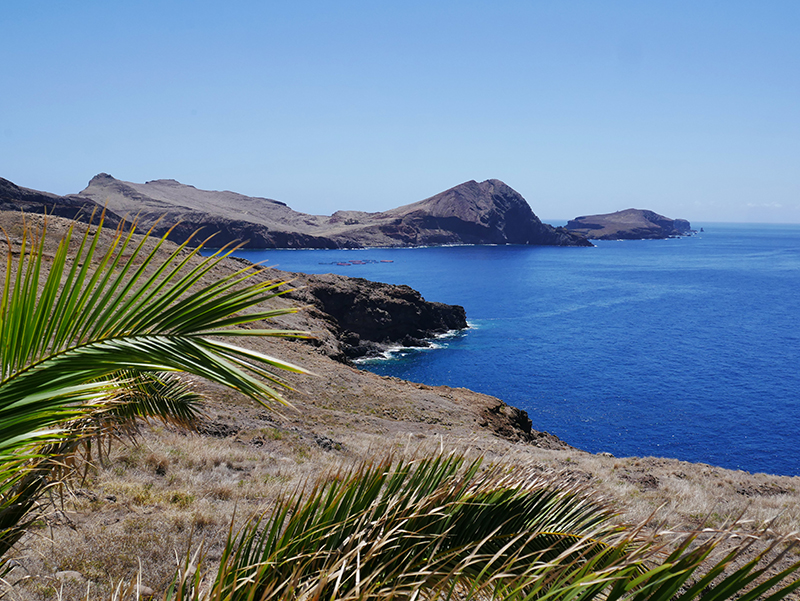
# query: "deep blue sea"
[[685, 348]]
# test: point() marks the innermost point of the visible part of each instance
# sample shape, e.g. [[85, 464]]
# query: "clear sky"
[[691, 109]]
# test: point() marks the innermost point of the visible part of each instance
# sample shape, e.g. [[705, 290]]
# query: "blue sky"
[[691, 109]]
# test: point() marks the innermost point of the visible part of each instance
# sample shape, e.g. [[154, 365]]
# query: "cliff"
[[367, 316], [489, 212], [630, 224]]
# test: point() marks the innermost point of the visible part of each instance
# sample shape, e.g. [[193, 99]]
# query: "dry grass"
[[149, 503], [146, 504]]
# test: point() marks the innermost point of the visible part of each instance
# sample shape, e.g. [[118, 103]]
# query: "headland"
[[630, 224]]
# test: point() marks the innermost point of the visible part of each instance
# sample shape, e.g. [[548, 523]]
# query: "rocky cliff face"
[[630, 224], [489, 212], [370, 316]]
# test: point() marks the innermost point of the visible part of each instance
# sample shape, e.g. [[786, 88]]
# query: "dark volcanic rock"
[[489, 212], [370, 316], [643, 481], [514, 424], [630, 224], [766, 489]]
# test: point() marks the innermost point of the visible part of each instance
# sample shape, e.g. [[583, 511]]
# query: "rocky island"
[[488, 212], [630, 224]]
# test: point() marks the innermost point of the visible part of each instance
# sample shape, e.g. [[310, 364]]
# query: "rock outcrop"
[[514, 424], [367, 316], [489, 212], [630, 224]]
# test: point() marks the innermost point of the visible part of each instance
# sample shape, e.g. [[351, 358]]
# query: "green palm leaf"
[[133, 396], [84, 333], [128, 306]]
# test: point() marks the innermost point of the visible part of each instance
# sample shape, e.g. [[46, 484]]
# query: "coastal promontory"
[[368, 317], [630, 224], [489, 212]]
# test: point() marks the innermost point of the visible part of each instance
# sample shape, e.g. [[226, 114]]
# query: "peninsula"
[[630, 224], [488, 212]]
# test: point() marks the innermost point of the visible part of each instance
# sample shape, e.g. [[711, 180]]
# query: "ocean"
[[686, 348]]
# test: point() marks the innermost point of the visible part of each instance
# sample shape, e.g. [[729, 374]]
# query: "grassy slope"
[[141, 503]]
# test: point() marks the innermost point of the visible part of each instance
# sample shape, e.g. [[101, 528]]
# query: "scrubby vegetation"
[[88, 333]]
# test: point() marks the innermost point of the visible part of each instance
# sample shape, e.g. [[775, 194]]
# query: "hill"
[[630, 224], [489, 212], [141, 504]]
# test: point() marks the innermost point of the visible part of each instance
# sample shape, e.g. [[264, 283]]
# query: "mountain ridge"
[[488, 212]]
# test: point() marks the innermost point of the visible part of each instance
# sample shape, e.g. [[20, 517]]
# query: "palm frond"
[[162, 396], [65, 333], [387, 531], [440, 528], [134, 396], [88, 334]]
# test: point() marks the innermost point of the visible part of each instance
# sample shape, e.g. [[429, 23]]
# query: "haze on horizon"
[[689, 109]]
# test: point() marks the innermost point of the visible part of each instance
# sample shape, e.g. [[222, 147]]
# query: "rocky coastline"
[[153, 496], [369, 317]]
